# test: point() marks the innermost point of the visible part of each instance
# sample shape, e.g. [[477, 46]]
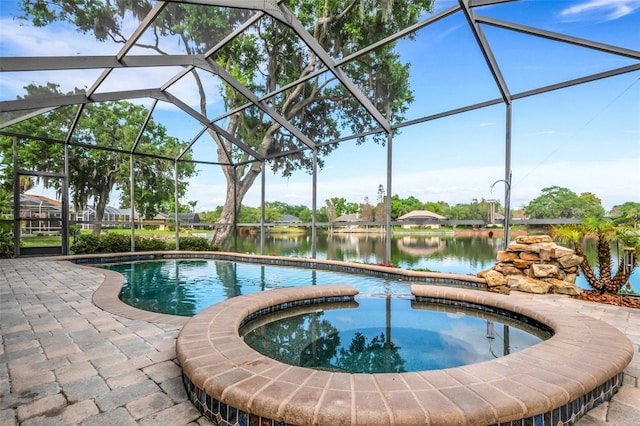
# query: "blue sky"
[[585, 138]]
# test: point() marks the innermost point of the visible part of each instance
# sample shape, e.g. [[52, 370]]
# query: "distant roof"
[[37, 199], [421, 215], [351, 217], [288, 218], [184, 217]]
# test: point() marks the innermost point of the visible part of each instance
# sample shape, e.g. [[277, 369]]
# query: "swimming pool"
[[186, 287], [227, 380]]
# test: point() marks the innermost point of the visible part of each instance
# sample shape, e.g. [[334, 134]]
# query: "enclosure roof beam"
[[98, 147], [478, 3], [485, 48], [65, 100], [282, 14], [205, 121], [349, 58], [144, 126], [607, 48], [577, 81], [146, 22], [26, 117], [56, 63], [193, 140], [226, 76], [214, 49]]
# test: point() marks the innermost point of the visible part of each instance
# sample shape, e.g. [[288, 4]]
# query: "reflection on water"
[[385, 335], [439, 253], [185, 287]]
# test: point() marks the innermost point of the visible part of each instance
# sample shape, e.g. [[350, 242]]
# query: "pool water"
[[185, 287], [385, 335]]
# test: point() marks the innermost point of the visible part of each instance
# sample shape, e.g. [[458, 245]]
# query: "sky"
[[585, 138]]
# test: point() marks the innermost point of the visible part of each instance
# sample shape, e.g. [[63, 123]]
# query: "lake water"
[[438, 253]]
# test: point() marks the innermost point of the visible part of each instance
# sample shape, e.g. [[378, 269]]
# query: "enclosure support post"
[[314, 206], [388, 200], [507, 176], [64, 233], [131, 194], [262, 196], [16, 200], [234, 227], [177, 202]]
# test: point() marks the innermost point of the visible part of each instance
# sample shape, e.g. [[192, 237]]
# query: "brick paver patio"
[[65, 361]]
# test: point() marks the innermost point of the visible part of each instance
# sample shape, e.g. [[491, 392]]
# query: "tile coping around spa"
[[554, 382]]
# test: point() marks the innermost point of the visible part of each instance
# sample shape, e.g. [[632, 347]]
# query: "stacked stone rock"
[[534, 264]]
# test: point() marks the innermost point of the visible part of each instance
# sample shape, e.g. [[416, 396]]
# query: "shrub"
[[194, 244], [6, 240], [117, 243], [150, 244], [87, 244]]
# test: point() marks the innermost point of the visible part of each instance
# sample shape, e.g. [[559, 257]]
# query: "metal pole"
[[262, 198], [507, 175], [177, 202], [234, 228], [65, 202], [388, 203], [16, 200], [131, 195], [314, 201]]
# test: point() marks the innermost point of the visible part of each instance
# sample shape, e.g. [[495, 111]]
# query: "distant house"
[[36, 207], [111, 214], [184, 219], [351, 217], [421, 218], [348, 221], [288, 218]]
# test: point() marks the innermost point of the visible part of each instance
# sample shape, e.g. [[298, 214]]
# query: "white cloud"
[[614, 182], [607, 10], [20, 38]]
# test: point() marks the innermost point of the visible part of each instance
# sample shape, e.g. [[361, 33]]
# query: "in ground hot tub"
[[555, 381]]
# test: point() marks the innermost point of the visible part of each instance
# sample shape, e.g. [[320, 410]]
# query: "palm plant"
[[607, 234]]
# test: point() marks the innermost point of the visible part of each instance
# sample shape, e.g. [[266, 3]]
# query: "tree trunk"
[[101, 205], [589, 275], [224, 232]]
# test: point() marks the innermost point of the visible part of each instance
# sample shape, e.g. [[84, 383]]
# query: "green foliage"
[[121, 243], [88, 244], [152, 244], [271, 56], [194, 244], [600, 275], [627, 214], [94, 173], [476, 210], [6, 240], [558, 202], [117, 243]]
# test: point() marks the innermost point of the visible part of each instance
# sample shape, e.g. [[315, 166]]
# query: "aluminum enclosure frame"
[[277, 10]]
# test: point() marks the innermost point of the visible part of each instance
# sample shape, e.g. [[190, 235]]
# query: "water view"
[[466, 254]]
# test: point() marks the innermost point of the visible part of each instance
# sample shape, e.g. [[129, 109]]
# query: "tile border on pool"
[[467, 281], [107, 295], [553, 382]]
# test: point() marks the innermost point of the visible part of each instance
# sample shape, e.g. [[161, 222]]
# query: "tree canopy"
[[95, 167], [266, 56], [558, 202]]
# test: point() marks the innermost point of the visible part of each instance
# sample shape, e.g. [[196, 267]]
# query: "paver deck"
[[64, 360]]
